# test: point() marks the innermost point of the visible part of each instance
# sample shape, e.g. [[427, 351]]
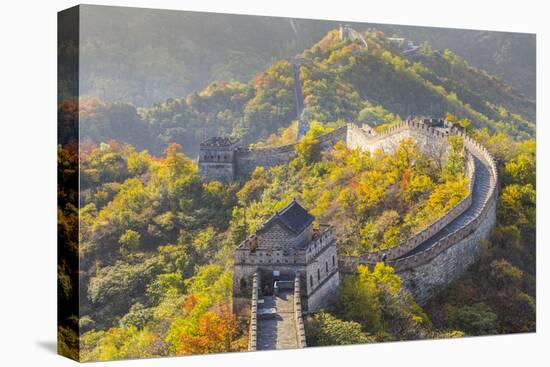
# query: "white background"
[[28, 181]]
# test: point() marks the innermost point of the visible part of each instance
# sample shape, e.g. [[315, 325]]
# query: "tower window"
[[318, 274], [311, 280], [333, 261], [326, 266], [242, 283]]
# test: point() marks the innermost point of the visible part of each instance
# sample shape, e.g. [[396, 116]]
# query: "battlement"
[[440, 253], [325, 236], [433, 250], [217, 158], [217, 142], [287, 245]]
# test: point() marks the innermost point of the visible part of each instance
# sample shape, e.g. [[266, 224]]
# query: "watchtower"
[[286, 245], [344, 32], [217, 158]]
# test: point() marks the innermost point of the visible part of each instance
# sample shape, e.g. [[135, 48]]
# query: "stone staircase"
[[276, 324]]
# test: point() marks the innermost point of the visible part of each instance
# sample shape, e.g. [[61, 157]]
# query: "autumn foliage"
[[215, 333]]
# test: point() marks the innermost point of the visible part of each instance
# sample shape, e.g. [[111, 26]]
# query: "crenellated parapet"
[[430, 258], [441, 252], [225, 160], [481, 212], [324, 237], [298, 317], [253, 330], [415, 240]]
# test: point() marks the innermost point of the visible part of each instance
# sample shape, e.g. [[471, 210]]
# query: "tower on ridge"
[[217, 158]]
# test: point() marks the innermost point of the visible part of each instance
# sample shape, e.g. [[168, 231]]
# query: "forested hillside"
[[156, 242], [152, 231], [342, 81], [143, 56]]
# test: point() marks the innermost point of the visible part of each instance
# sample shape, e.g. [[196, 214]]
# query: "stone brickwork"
[[241, 162], [298, 317], [252, 336], [316, 260], [453, 242], [217, 159], [426, 278], [322, 277], [427, 261]]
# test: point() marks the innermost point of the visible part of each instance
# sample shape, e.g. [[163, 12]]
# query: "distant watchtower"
[[344, 32], [217, 159]]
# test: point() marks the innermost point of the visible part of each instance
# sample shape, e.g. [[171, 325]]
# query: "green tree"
[[325, 329], [455, 158], [130, 240], [308, 152], [138, 316], [477, 319], [360, 295]]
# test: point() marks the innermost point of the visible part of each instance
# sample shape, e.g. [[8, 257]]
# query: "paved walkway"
[[482, 185], [277, 331]]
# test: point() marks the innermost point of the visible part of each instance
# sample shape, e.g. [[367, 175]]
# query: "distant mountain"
[[509, 56], [145, 56], [375, 80]]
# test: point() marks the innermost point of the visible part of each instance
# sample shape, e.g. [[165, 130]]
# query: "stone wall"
[[422, 272], [430, 140], [265, 257], [325, 293], [217, 159], [217, 171], [485, 215], [246, 160], [242, 288], [427, 278], [321, 277], [447, 259], [298, 318], [253, 331]]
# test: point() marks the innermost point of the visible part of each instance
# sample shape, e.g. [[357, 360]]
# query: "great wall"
[[427, 261]]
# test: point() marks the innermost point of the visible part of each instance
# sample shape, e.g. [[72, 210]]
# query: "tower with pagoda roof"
[[286, 245]]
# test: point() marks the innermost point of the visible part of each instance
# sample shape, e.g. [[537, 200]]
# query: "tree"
[[123, 343], [308, 152], [129, 240], [325, 329], [138, 316], [455, 157], [477, 319], [375, 300], [216, 333], [360, 295], [522, 170], [505, 274]]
